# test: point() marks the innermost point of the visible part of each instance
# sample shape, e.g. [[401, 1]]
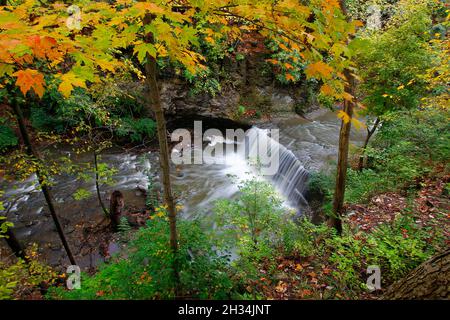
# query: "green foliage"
[[253, 216], [81, 194], [399, 247], [361, 186], [347, 255], [124, 229], [396, 248], [24, 277], [136, 129], [146, 272], [394, 61], [203, 82], [258, 227], [287, 63], [407, 147], [114, 108], [321, 184], [8, 138], [4, 225]]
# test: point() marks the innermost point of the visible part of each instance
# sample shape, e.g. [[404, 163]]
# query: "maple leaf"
[[320, 69], [30, 79], [43, 47], [69, 80], [142, 50]]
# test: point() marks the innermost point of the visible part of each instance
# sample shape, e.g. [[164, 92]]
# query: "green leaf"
[[142, 50]]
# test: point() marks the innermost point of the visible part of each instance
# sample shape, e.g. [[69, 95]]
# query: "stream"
[[308, 145]]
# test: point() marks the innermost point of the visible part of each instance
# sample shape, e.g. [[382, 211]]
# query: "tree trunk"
[[341, 170], [116, 205], [366, 142], [97, 187], [44, 188], [335, 221], [15, 245], [155, 104], [430, 280]]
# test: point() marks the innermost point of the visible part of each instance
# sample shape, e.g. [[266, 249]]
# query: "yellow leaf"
[[69, 80], [344, 116], [347, 96], [358, 124]]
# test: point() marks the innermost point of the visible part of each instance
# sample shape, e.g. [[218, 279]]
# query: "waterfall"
[[290, 178]]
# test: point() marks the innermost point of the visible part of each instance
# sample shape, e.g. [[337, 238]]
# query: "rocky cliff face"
[[249, 84]]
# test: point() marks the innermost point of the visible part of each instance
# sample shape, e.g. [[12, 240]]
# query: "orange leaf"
[[30, 79], [320, 69], [288, 66], [283, 46], [298, 267], [290, 77], [327, 90]]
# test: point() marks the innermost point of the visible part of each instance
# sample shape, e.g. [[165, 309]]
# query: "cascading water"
[[290, 177]]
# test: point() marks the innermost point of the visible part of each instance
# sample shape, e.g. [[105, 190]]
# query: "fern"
[[124, 229]]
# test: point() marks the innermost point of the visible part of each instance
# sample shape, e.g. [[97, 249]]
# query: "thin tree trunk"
[[430, 280], [153, 97], [44, 188], [11, 240], [335, 221], [366, 142], [97, 187], [15, 245]]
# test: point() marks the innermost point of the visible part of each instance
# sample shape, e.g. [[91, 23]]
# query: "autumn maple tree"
[[36, 53], [39, 49]]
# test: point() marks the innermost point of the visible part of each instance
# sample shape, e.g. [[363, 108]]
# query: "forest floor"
[[314, 277]]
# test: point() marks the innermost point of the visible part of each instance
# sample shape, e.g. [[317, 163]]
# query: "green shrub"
[[399, 247], [146, 272], [8, 138], [22, 278], [136, 129], [203, 82]]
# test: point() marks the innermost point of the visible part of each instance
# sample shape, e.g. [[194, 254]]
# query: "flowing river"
[[304, 146]]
